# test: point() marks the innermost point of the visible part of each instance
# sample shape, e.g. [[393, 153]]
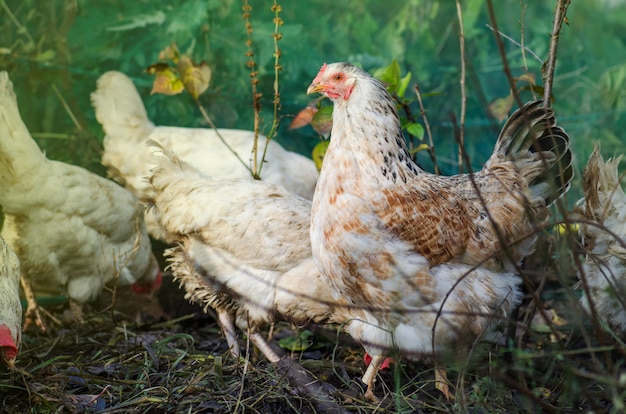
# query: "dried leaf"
[[538, 89], [527, 77], [501, 107], [195, 77], [157, 67], [303, 118], [166, 81], [170, 53]]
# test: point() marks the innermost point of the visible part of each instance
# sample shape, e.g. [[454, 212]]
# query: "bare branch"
[[505, 63], [516, 43], [549, 66], [459, 14]]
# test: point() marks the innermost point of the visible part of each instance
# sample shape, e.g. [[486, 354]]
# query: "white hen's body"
[[121, 112], [73, 230], [243, 246], [604, 269]]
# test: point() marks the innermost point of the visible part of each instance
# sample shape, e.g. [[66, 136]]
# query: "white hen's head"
[[365, 120], [339, 81], [336, 81]]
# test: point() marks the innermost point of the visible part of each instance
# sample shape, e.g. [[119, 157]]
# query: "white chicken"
[[603, 279], [10, 306], [121, 112], [243, 249], [397, 240], [72, 230]]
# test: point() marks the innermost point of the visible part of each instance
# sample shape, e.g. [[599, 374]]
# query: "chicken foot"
[[33, 312], [370, 376]]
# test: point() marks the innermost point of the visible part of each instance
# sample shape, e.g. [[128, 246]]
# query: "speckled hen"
[[399, 241]]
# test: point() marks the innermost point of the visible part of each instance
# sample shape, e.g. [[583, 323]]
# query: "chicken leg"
[[441, 382], [33, 312], [370, 376], [228, 327], [264, 347]]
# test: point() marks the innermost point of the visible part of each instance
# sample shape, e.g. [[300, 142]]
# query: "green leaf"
[[404, 83], [415, 129], [297, 343], [46, 56], [390, 75], [318, 153], [322, 121]]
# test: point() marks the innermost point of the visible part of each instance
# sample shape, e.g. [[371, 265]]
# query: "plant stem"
[[459, 14], [256, 173], [277, 36], [429, 134], [505, 62], [548, 80], [206, 117]]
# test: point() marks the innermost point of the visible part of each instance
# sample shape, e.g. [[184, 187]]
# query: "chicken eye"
[[338, 77]]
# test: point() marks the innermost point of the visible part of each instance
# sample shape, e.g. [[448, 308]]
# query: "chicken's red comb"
[[144, 289], [320, 73], [8, 349], [386, 362]]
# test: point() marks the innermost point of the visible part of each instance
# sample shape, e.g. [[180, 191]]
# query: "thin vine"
[[462, 84], [256, 96], [277, 36]]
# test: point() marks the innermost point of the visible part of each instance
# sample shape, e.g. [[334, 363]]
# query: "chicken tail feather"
[[119, 108], [539, 148], [601, 184], [19, 153]]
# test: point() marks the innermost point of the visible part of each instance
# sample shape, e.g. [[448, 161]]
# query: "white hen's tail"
[[119, 108], [603, 191], [20, 157], [539, 148]]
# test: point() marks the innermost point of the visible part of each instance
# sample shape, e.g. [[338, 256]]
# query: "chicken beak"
[[315, 87]]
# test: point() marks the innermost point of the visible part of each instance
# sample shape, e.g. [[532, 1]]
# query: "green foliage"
[[67, 44], [393, 80]]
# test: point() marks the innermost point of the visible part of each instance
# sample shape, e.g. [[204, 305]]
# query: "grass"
[[110, 363]]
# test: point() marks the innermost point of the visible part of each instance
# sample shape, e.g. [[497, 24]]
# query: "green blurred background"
[[54, 51]]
